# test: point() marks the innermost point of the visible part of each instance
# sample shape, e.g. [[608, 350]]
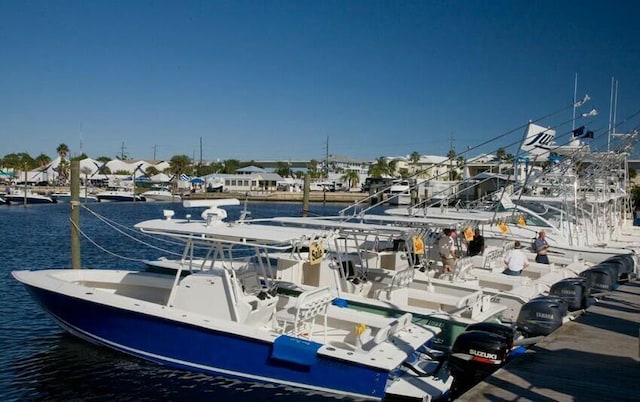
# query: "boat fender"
[[295, 350], [340, 302]]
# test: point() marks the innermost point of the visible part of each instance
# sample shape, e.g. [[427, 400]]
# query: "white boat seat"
[[396, 291], [371, 333], [297, 320]]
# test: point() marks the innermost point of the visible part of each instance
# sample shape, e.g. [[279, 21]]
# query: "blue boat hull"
[[194, 348]]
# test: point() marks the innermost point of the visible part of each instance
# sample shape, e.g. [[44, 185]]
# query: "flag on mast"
[[537, 140]]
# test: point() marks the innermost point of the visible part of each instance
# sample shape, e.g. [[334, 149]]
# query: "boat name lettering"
[[568, 292], [435, 323], [601, 285]]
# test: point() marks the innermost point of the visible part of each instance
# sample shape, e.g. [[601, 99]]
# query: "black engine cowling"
[[541, 316], [624, 264], [475, 355], [573, 291], [507, 332], [601, 278]]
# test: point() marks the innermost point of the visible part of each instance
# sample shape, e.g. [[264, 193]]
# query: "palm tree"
[[42, 160], [151, 171], [178, 165], [312, 168], [414, 158], [351, 177], [391, 166], [63, 166], [62, 150], [231, 166], [283, 169], [379, 168]]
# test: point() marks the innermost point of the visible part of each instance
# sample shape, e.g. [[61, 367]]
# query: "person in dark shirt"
[[476, 246], [541, 248]]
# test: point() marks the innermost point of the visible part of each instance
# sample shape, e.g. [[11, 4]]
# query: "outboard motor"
[[601, 278], [625, 264], [573, 291], [474, 356], [507, 332], [541, 316]]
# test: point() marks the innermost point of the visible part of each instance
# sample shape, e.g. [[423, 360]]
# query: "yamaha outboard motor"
[[573, 291], [541, 316], [474, 356], [624, 263], [601, 278]]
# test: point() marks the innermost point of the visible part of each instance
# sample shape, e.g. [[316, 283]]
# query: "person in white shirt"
[[446, 249], [515, 261]]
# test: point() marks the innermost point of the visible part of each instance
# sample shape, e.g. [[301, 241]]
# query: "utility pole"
[[122, 155], [155, 147]]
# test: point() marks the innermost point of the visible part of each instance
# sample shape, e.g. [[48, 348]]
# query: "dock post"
[[305, 195], [25, 186], [75, 214]]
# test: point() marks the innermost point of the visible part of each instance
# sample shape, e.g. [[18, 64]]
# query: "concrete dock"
[[596, 357]]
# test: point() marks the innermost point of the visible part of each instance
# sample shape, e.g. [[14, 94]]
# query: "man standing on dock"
[[541, 248]]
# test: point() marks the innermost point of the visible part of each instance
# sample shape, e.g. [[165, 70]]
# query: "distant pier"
[[282, 196]]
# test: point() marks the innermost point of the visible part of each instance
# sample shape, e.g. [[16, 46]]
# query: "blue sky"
[[277, 80]]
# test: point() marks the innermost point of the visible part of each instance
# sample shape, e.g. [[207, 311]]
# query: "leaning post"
[[305, 195], [75, 214]]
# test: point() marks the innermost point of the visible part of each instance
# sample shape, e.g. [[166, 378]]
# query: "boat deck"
[[594, 358]]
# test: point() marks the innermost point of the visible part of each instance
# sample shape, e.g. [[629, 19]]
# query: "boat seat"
[[493, 258], [367, 335], [297, 320], [250, 282], [396, 291]]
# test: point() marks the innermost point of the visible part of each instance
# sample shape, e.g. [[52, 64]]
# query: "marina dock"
[[596, 357]]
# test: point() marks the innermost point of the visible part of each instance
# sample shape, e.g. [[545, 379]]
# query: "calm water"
[[41, 362]]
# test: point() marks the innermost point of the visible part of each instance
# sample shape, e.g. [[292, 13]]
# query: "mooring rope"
[[115, 226], [100, 247]]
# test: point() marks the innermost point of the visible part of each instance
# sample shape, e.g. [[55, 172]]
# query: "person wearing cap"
[[515, 261], [541, 248]]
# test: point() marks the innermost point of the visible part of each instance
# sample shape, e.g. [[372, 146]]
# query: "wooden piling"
[[305, 195]]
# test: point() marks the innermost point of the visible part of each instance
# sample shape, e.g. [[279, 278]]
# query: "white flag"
[[537, 140]]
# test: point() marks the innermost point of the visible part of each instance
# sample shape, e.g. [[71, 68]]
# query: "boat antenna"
[[575, 101]]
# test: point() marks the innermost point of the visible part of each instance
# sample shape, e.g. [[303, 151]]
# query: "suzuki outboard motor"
[[573, 291], [541, 316], [474, 356], [507, 332]]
